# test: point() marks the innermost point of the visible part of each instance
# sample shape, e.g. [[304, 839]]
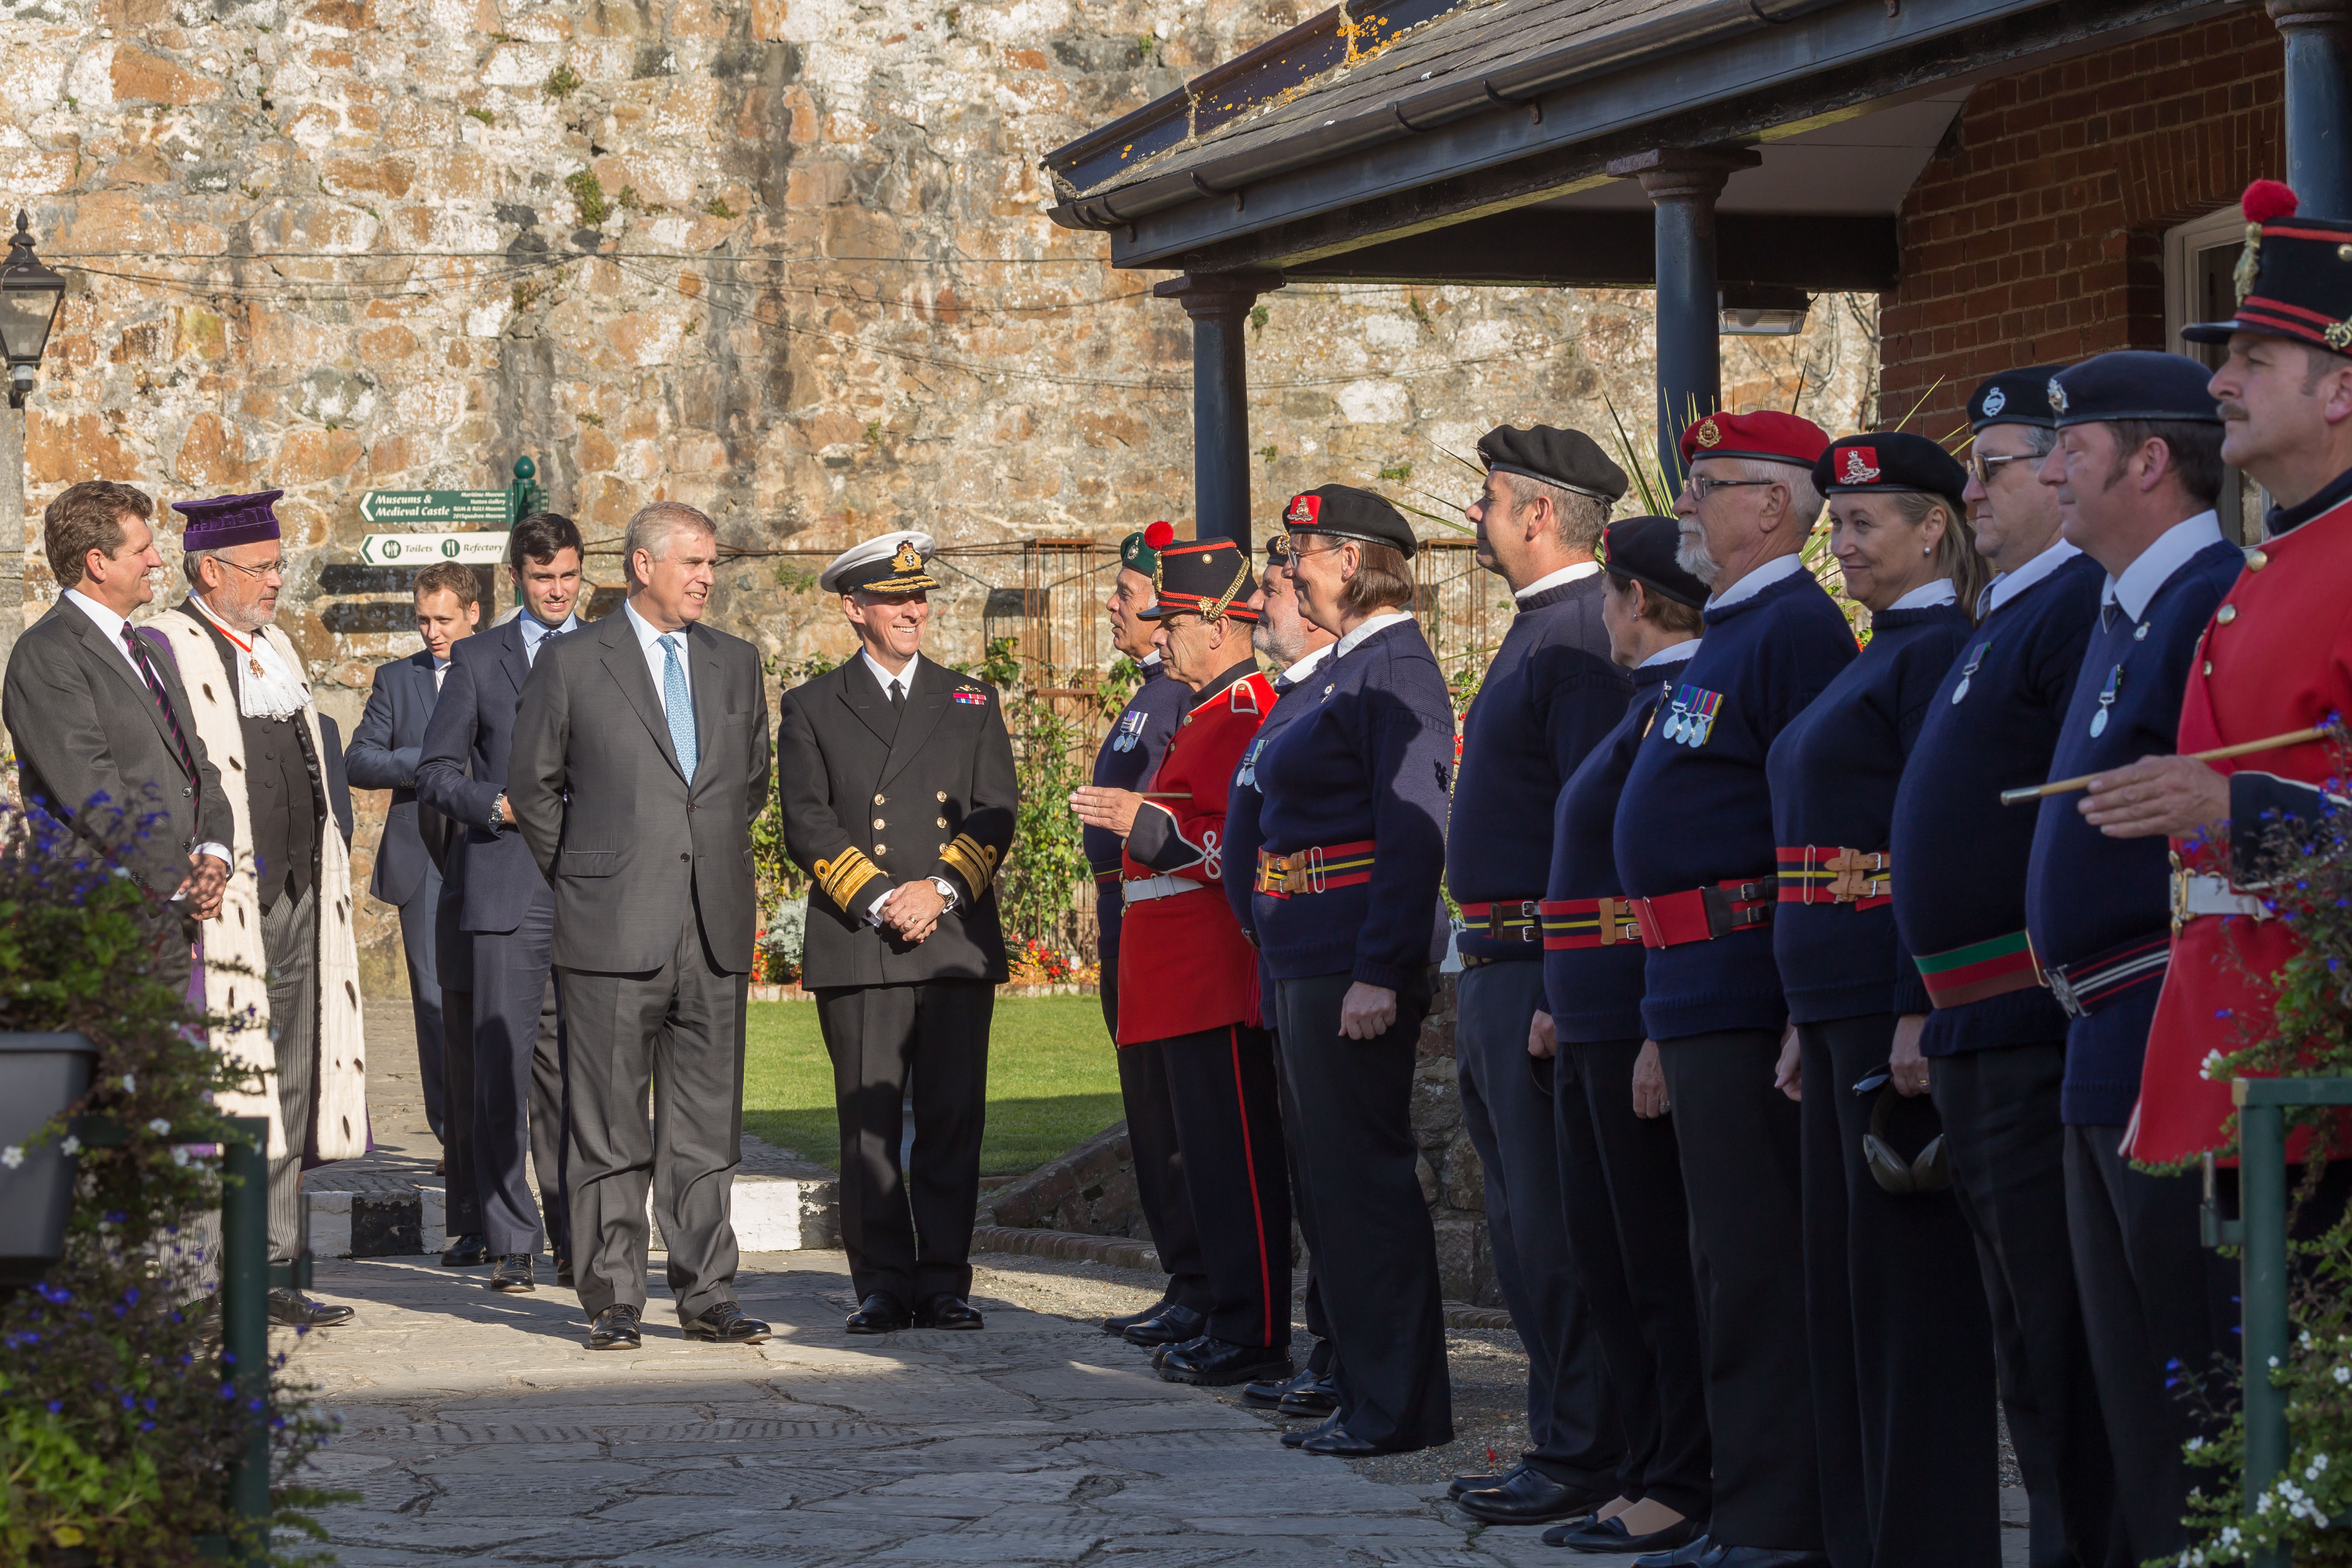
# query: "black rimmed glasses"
[[1983, 467], [1701, 488]]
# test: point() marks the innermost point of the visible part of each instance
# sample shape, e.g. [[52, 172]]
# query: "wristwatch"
[[498, 809], [947, 889]]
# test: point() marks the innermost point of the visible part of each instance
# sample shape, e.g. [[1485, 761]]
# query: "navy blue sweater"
[[1694, 815], [1549, 698], [2087, 893], [1372, 758], [1834, 771], [1595, 992], [1128, 754], [1959, 855], [1243, 836]]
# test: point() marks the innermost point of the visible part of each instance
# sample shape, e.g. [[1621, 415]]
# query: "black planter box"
[[40, 1075]]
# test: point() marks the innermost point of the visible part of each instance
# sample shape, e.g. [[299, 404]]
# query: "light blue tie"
[[679, 701]]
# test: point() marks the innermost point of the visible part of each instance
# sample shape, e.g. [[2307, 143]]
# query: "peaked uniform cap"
[[2014, 397], [1888, 460], [1209, 578], [893, 563], [1767, 436], [2294, 279], [227, 520], [2133, 384], [1568, 459]]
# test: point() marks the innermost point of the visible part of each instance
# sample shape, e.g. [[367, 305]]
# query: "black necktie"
[[137, 648], [897, 697]]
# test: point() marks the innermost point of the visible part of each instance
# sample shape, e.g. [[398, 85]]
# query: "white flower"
[[2318, 1463], [160, 1127], [13, 1155], [130, 1084], [70, 1145], [2212, 1066], [2275, 1361], [2194, 1444], [2343, 1375], [180, 1155]]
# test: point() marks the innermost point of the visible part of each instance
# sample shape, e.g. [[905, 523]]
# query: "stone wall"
[[784, 260]]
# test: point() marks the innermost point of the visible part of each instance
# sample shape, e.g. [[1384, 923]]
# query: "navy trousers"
[[417, 941], [520, 1106]]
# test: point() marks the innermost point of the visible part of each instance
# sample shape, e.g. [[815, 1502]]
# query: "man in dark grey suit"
[[383, 754], [509, 1043], [102, 721], [640, 761]]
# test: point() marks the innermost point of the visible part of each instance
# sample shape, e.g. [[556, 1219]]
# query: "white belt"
[[2195, 893], [1143, 889]]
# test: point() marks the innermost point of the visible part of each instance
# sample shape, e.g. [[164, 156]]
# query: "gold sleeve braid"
[[845, 876], [971, 860]]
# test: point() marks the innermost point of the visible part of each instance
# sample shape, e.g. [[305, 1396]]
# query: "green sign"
[[437, 508], [425, 549]]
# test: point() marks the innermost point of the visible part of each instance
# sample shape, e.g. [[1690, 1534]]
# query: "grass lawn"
[[1052, 1081]]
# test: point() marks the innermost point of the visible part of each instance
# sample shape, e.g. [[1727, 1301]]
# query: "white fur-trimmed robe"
[[234, 962]]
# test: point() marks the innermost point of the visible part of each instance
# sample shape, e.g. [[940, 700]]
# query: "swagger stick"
[[2275, 742]]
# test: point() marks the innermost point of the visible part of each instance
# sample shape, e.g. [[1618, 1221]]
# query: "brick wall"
[[2036, 234]]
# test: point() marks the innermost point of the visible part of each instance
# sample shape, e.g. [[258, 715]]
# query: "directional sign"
[[435, 508], [425, 549]]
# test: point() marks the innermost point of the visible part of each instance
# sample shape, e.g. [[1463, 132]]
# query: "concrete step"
[[772, 1214]]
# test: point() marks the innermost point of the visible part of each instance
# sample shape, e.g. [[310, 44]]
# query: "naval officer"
[[899, 798]]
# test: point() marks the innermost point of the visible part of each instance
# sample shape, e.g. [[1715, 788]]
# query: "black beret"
[[1888, 460], [2133, 384], [1348, 512], [1643, 548], [1568, 459], [2014, 397], [2294, 277]]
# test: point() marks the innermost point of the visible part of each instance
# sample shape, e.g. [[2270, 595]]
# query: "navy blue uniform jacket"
[[1129, 754]]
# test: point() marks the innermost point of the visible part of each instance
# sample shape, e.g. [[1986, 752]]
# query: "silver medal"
[[2099, 722], [1961, 692]]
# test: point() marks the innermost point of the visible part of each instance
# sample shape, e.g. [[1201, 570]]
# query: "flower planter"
[[40, 1075]]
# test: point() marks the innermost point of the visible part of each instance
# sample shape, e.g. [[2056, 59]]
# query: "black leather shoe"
[[1339, 1443], [1315, 1395], [467, 1252], [1269, 1393], [1480, 1483], [1298, 1437], [1219, 1363], [1172, 1325], [513, 1274], [1762, 1557], [1530, 1498], [1693, 1551], [1610, 1537], [1160, 1357], [1126, 1320], [946, 1312], [292, 1309], [880, 1314], [616, 1329], [725, 1324], [563, 1276]]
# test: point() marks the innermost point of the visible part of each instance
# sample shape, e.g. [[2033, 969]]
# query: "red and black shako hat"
[[1888, 460], [1207, 578], [2294, 279]]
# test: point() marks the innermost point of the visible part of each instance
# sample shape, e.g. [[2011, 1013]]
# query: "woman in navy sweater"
[[1620, 1172], [1901, 1344], [1352, 820]]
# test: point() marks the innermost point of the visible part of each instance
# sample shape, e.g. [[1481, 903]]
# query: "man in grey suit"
[[640, 761], [509, 1042], [383, 754], [104, 737]]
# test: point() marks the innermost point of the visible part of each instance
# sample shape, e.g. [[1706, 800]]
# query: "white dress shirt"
[[2008, 585], [1306, 667], [1554, 579], [111, 625], [1756, 582], [649, 639], [1672, 654], [1926, 596], [536, 631], [1379, 623], [904, 681], [2158, 561]]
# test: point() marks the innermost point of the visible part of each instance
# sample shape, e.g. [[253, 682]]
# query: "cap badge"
[[2057, 396], [1858, 470], [1994, 401], [2339, 334], [2242, 276], [1304, 508], [1709, 436], [908, 559]]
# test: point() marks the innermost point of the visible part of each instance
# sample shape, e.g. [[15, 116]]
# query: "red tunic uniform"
[[1183, 965], [2277, 658]]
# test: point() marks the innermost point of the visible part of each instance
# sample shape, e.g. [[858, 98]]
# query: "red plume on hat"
[[2267, 201], [1160, 535]]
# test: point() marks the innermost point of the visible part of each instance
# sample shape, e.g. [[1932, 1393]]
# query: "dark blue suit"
[[508, 911], [383, 755]]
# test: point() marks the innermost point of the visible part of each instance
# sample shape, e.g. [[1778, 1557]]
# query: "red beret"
[[1774, 437]]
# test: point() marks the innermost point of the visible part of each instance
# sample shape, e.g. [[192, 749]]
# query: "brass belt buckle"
[[2179, 892]]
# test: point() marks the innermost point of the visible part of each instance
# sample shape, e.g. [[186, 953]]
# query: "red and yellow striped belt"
[[1826, 874], [1588, 922], [1504, 920], [1318, 869]]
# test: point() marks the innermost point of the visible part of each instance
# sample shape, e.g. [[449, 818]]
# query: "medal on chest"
[[1694, 715], [1248, 773], [1961, 692], [1131, 732], [2107, 696]]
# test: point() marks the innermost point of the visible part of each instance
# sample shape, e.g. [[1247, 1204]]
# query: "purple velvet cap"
[[225, 520]]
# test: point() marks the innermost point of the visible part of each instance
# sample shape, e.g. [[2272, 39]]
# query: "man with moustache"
[[507, 1046], [1138, 738], [1993, 1048], [905, 948]]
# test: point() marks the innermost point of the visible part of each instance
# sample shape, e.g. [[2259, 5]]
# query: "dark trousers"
[[1621, 1186], [453, 961], [290, 944], [2007, 1152], [678, 1028], [1158, 1163], [1322, 1357], [1901, 1344], [1740, 1147], [909, 1237], [519, 1092], [1236, 1177], [1376, 1251], [2155, 1307], [1573, 1423], [417, 940]]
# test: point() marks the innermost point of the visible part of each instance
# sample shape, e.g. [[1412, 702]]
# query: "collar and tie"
[[677, 699], [137, 648]]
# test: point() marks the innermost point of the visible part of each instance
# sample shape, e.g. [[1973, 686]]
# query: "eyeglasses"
[[1283, 548], [1982, 467], [1701, 488], [277, 567]]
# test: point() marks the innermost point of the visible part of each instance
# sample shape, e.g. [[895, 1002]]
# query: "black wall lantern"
[[29, 294]]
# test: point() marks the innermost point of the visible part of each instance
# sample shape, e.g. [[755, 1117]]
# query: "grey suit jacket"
[[630, 847], [85, 726], [463, 766], [384, 755]]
